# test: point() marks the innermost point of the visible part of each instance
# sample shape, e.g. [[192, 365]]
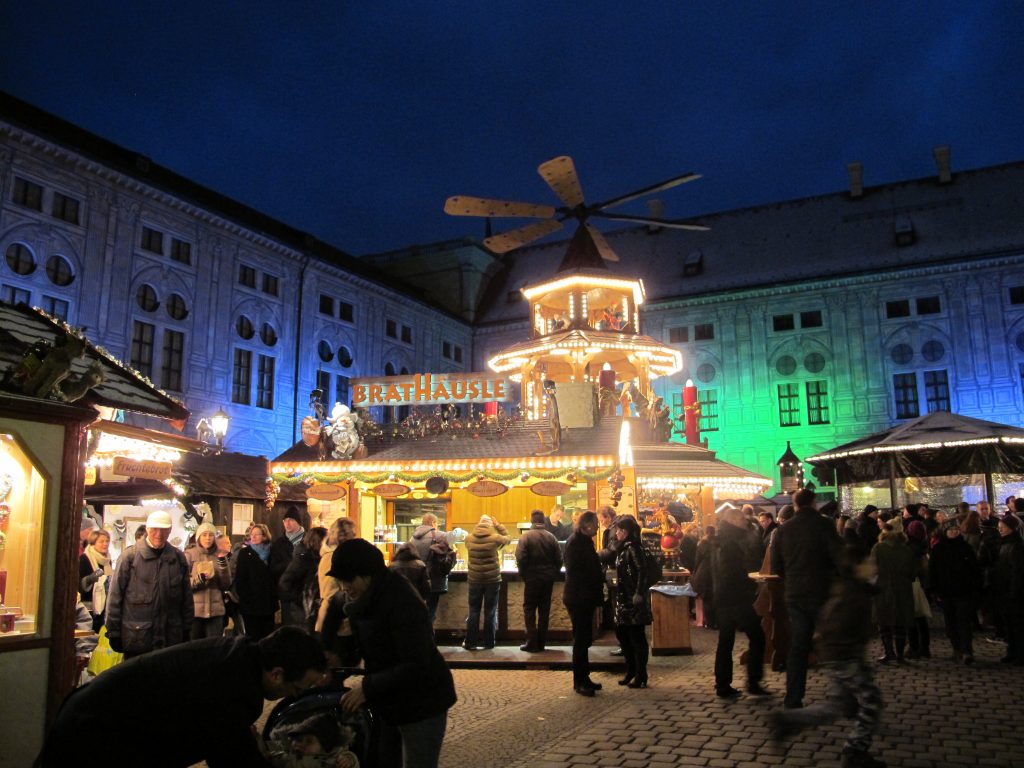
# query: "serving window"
[[22, 500]]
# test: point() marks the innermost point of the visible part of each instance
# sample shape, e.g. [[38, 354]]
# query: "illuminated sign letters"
[[430, 389]]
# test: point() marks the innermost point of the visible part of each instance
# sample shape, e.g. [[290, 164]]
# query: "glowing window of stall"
[[22, 500]]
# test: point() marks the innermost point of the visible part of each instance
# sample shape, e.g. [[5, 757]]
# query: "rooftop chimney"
[[656, 210], [856, 172], [941, 155]]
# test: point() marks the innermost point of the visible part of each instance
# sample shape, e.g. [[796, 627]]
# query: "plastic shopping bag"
[[103, 656]]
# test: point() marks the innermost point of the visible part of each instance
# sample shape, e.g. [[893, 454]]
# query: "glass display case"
[[22, 496]]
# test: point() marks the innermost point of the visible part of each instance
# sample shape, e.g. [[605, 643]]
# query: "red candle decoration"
[[691, 410]]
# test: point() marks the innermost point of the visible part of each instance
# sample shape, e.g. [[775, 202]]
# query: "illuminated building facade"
[[813, 321]]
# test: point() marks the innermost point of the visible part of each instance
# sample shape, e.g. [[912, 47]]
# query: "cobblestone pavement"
[[936, 714]]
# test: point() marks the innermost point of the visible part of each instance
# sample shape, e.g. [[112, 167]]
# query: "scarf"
[[99, 590], [263, 550]]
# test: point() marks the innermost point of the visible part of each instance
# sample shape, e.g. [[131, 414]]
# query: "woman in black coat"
[[955, 577], [632, 604], [406, 681], [582, 594], [254, 584]]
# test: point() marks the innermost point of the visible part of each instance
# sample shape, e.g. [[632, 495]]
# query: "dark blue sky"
[[355, 120]]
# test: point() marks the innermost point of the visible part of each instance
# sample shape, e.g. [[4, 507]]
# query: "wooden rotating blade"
[[514, 238], [666, 223], [560, 175], [673, 182], [461, 205], [602, 245]]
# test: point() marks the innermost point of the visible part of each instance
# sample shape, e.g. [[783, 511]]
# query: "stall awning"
[[21, 327], [938, 443]]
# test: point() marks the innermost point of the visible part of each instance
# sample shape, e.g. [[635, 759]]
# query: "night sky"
[[355, 120]]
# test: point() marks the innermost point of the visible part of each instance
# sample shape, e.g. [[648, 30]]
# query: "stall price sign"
[[149, 470], [430, 389]]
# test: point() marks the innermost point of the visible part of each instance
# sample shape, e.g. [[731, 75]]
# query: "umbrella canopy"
[[938, 443]]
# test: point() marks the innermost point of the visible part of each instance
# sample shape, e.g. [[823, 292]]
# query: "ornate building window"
[[265, 383], [58, 269], [142, 348], [181, 251], [817, 402], [27, 194], [244, 328], [241, 377], [176, 307], [173, 355], [905, 388], [152, 241], [936, 390], [64, 208], [789, 405], [146, 298]]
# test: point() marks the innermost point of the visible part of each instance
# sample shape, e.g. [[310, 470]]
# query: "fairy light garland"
[[306, 478]]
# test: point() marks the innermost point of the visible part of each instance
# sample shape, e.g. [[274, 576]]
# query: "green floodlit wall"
[[966, 331]]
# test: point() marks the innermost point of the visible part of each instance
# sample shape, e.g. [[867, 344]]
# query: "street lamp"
[[219, 424], [212, 430]]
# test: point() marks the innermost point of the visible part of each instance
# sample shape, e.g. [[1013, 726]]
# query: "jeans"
[[582, 637], [744, 619], [432, 600], [801, 626], [487, 594], [850, 680], [412, 745], [537, 610]]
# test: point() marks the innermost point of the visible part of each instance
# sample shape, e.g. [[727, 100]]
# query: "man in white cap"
[[484, 579], [150, 604]]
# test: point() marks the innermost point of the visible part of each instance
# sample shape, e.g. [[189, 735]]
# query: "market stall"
[[52, 384], [941, 458]]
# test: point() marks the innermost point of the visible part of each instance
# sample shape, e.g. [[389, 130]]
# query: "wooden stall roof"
[[22, 326], [688, 461]]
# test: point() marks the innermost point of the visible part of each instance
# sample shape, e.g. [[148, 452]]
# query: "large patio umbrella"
[[936, 444]]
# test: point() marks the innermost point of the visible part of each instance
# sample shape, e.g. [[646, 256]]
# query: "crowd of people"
[[340, 605]]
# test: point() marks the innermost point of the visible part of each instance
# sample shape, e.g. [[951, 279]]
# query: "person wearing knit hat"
[[955, 577], [405, 680], [484, 579], [210, 578], [281, 552]]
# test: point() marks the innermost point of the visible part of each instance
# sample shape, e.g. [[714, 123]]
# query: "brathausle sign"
[[430, 389]]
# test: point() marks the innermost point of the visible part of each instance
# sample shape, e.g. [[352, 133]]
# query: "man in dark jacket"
[[734, 555], [1008, 587], [150, 604], [583, 592], [556, 524], [406, 681], [955, 577], [539, 559], [804, 554], [281, 552], [220, 682]]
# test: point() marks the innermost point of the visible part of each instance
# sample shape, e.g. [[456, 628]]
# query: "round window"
[[933, 351], [176, 307], [902, 354], [243, 326], [146, 298], [706, 373], [20, 259], [785, 365], [324, 350], [268, 335], [814, 362], [344, 357], [59, 271]]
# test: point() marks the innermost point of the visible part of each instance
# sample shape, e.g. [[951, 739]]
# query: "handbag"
[[922, 610], [103, 656]]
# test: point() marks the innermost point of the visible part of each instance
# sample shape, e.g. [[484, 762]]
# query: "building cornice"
[[944, 267]]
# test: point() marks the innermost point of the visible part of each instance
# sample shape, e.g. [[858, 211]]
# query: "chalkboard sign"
[[655, 558]]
